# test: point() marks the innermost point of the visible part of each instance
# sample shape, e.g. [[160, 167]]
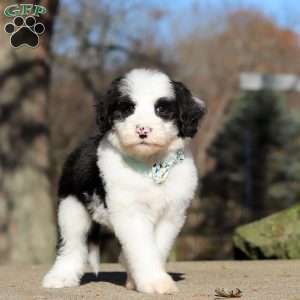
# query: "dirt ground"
[[259, 280]]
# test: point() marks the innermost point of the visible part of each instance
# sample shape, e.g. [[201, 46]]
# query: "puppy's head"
[[145, 113]]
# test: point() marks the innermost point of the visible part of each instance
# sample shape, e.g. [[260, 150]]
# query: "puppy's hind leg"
[[130, 284], [94, 248], [74, 223]]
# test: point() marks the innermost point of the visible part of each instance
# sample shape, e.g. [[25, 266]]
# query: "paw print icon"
[[24, 32]]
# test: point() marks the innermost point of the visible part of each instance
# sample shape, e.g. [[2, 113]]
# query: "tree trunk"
[[27, 230]]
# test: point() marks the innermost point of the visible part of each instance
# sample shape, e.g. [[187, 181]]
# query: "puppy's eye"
[[123, 109], [165, 108], [161, 109]]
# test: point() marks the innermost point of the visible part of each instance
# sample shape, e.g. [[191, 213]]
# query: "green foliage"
[[257, 155], [284, 165]]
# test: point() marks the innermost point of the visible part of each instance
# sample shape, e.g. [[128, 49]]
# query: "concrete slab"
[[259, 280]]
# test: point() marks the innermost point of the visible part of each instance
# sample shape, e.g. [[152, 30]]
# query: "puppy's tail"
[[94, 247], [94, 258]]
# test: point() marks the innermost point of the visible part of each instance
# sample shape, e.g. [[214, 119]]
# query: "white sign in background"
[[280, 82]]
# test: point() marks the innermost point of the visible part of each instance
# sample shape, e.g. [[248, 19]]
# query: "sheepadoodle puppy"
[[136, 176]]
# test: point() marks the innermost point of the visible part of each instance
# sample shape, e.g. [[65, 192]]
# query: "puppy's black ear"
[[104, 106], [190, 110]]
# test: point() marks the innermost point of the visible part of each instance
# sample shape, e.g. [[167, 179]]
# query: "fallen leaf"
[[226, 293]]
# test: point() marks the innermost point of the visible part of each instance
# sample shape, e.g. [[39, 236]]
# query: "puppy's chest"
[[126, 182], [127, 186]]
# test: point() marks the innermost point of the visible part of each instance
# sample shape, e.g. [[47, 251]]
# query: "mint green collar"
[[159, 171]]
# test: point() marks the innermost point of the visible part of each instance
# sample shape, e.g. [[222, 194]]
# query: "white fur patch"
[[99, 212], [94, 258], [74, 222], [144, 85], [146, 217]]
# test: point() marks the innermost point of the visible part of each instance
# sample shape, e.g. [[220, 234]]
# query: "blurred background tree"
[[256, 169], [206, 44], [242, 150], [27, 230]]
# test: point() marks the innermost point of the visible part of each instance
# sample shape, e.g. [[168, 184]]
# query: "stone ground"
[[259, 280]]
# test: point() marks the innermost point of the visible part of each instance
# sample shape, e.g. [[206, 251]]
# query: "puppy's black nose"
[[143, 131], [143, 136]]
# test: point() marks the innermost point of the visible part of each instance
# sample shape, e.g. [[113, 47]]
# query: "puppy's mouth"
[[148, 144]]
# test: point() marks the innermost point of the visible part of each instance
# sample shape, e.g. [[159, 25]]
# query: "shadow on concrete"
[[117, 278]]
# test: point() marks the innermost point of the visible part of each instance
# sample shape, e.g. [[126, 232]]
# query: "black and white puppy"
[[137, 177]]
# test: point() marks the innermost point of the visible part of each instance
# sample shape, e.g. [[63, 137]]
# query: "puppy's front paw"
[[130, 284], [60, 280], [162, 284]]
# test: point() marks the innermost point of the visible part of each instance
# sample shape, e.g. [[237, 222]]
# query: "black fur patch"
[[189, 111], [112, 105], [122, 108], [80, 176], [166, 109], [94, 234]]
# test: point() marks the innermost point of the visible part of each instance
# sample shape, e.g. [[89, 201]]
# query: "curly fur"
[[146, 116]]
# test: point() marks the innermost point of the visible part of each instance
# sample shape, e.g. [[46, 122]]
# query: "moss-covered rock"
[[277, 236]]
